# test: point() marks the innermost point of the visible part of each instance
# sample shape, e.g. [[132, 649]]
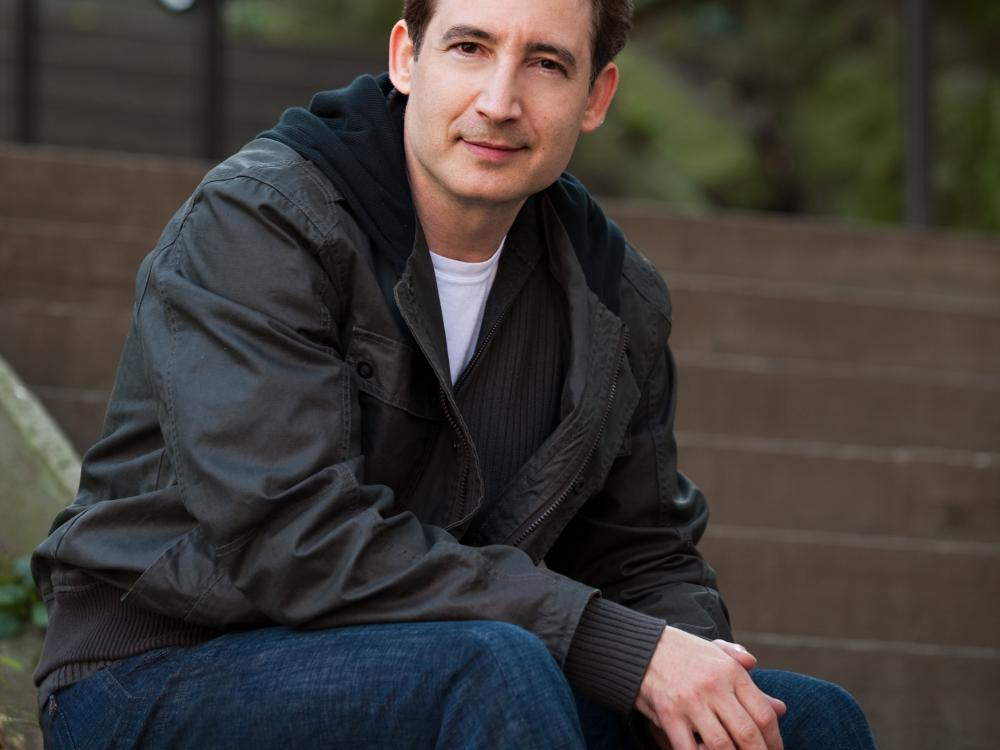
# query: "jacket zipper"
[[461, 443], [612, 391], [466, 457], [456, 428], [486, 342]]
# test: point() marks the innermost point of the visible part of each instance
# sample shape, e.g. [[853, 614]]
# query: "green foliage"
[[344, 23], [840, 130], [19, 599], [967, 172], [661, 141]]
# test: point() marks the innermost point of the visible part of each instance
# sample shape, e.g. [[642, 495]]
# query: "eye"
[[467, 48], [548, 64]]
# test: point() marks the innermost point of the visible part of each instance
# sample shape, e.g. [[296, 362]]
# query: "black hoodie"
[[354, 136]]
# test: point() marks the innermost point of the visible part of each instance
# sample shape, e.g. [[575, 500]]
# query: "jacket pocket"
[[384, 368]]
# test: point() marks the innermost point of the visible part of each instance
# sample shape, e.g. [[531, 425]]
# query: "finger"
[[710, 733], [778, 705], [679, 736], [723, 643], [741, 726], [760, 708], [736, 651]]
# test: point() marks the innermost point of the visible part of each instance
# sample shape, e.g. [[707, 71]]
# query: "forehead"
[[563, 22]]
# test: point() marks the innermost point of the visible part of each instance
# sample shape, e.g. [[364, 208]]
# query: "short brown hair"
[[610, 24]]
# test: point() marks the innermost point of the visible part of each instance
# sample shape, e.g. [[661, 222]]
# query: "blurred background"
[[819, 183]]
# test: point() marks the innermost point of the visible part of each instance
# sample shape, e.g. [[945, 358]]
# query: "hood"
[[354, 136]]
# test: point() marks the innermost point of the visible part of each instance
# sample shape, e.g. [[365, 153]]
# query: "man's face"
[[498, 95]]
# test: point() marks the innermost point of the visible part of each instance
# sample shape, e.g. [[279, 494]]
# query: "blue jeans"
[[407, 685]]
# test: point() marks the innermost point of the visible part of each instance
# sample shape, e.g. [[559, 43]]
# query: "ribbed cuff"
[[90, 627], [610, 652]]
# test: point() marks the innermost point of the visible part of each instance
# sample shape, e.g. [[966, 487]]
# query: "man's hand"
[[697, 689], [745, 658]]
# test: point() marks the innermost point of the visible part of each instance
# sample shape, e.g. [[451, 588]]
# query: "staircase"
[[839, 404]]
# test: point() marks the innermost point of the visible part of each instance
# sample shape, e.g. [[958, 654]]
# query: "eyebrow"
[[464, 31]]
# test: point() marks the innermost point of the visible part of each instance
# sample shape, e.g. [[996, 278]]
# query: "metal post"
[[26, 71], [213, 83], [917, 126]]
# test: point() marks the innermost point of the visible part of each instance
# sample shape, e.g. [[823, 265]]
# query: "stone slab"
[[808, 249], [858, 586], [39, 471], [816, 401], [902, 331], [46, 182], [848, 489]]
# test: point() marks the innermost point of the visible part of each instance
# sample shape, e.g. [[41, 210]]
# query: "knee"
[[499, 651], [505, 644], [814, 705], [520, 694], [830, 697], [822, 697]]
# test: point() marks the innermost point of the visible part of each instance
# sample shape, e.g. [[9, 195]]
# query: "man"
[[389, 458]]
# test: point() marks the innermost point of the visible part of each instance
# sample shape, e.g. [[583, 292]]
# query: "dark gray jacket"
[[268, 418]]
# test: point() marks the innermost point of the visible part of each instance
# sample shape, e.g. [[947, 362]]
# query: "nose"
[[499, 99]]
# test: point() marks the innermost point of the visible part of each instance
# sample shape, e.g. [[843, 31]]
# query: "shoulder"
[[646, 311], [643, 282], [273, 183], [258, 229]]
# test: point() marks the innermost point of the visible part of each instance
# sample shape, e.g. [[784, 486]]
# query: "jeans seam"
[[58, 724], [152, 658]]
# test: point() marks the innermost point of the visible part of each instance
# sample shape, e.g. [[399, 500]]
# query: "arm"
[[636, 542]]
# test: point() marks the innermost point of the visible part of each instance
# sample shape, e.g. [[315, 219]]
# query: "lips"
[[492, 150], [493, 145]]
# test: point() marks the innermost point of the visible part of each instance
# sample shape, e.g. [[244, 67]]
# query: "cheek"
[[560, 138]]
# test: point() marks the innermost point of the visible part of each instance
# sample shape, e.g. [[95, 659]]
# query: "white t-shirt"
[[463, 289]]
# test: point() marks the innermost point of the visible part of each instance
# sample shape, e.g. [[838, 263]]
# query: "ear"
[[401, 56], [599, 99]]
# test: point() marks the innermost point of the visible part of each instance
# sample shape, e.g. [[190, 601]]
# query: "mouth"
[[492, 150]]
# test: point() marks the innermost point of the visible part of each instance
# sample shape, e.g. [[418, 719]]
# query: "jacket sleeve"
[[636, 540], [256, 408]]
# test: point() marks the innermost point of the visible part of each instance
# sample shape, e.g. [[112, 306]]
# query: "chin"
[[486, 191]]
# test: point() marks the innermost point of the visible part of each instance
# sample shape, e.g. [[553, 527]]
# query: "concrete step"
[[858, 586], [79, 412], [916, 697], [805, 400], [813, 486], [94, 187], [71, 262], [104, 187], [77, 345], [942, 494], [864, 327], [76, 262], [812, 250], [63, 344]]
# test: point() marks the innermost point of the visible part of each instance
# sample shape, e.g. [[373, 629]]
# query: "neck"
[[470, 233], [466, 230]]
